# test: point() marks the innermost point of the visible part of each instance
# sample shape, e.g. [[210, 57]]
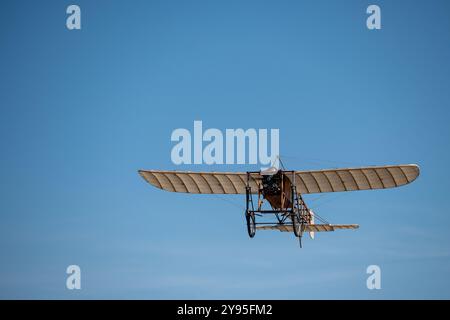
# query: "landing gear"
[[296, 224], [300, 215], [251, 223], [250, 211], [297, 212], [287, 205]]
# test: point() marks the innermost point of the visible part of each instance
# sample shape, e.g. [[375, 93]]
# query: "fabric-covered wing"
[[352, 179], [332, 180], [200, 182], [311, 227]]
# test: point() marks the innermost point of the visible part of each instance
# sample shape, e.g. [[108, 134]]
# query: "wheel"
[[251, 223], [296, 224]]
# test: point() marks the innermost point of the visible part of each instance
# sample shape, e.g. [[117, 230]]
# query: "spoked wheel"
[[251, 223], [296, 224]]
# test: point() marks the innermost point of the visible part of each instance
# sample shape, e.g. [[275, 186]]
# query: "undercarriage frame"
[[296, 214]]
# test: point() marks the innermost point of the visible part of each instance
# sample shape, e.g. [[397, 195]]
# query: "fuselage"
[[277, 190]]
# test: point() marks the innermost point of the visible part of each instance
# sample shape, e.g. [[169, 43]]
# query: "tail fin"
[[311, 233]]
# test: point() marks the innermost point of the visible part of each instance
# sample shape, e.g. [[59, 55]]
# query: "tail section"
[[311, 233]]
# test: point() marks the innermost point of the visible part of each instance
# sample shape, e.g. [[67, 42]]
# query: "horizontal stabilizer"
[[310, 228]]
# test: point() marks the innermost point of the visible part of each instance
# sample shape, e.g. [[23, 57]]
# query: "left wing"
[[201, 182], [353, 179]]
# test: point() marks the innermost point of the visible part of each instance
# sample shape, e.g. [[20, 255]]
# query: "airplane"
[[283, 190]]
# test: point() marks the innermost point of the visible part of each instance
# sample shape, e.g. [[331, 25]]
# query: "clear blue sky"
[[82, 111]]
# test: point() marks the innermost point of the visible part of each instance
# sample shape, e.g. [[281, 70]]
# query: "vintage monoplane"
[[283, 190]]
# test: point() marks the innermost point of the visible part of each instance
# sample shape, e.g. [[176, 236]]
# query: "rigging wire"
[[321, 161], [321, 219], [229, 201], [318, 198], [329, 200], [281, 162]]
